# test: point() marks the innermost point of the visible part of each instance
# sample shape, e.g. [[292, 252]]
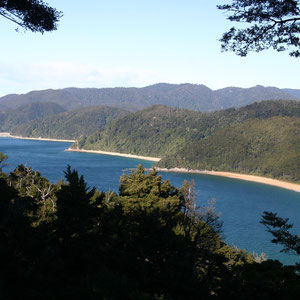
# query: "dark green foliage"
[[2, 159], [153, 131], [188, 96], [267, 147], [74, 212], [273, 24], [12, 118], [71, 124], [280, 229], [161, 130], [161, 255], [148, 242], [268, 109], [30, 184], [34, 15], [16, 236], [267, 280], [139, 184]]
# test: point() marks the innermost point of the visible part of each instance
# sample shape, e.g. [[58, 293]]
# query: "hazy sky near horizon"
[[135, 43]]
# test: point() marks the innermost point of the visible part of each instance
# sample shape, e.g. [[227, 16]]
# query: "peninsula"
[[7, 134], [156, 159]]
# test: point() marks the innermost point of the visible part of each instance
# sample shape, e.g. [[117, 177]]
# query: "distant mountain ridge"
[[189, 96]]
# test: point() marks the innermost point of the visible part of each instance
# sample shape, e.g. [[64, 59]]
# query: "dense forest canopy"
[[261, 138], [267, 148], [68, 124], [27, 112], [149, 241]]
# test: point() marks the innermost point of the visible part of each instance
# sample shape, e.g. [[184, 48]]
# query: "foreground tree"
[[38, 189], [150, 241], [2, 159], [74, 210], [280, 229], [273, 24], [33, 15]]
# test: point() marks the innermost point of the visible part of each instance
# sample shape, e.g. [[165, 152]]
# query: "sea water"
[[240, 203]]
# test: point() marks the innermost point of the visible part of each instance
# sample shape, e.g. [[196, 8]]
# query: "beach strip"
[[4, 134], [116, 154], [7, 134], [259, 179], [279, 183]]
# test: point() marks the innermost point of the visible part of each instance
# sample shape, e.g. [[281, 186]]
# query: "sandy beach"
[[116, 154], [7, 134], [283, 184]]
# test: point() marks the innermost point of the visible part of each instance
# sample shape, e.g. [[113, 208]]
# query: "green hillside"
[[160, 130], [268, 147], [10, 119], [70, 124]]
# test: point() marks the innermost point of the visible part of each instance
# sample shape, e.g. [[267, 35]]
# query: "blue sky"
[[134, 43]]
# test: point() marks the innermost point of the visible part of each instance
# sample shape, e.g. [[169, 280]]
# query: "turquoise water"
[[240, 203]]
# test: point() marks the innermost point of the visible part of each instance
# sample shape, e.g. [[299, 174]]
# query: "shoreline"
[[7, 134], [254, 178], [116, 154]]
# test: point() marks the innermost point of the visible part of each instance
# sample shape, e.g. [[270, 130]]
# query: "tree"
[[2, 159], [280, 229], [74, 212], [273, 24], [34, 15], [29, 183]]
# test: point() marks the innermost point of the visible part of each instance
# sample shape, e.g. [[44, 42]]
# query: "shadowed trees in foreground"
[[149, 241]]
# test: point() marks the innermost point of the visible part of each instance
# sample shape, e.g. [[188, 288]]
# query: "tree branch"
[[3, 14]]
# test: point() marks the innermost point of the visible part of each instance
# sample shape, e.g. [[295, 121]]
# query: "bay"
[[239, 202]]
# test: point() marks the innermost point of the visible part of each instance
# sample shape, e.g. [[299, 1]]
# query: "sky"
[[136, 43]]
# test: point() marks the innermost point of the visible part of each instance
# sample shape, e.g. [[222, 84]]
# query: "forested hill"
[[261, 138], [189, 96], [161, 130], [268, 147], [25, 113], [248, 138], [70, 124]]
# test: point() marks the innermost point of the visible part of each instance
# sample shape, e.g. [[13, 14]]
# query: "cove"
[[240, 203]]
